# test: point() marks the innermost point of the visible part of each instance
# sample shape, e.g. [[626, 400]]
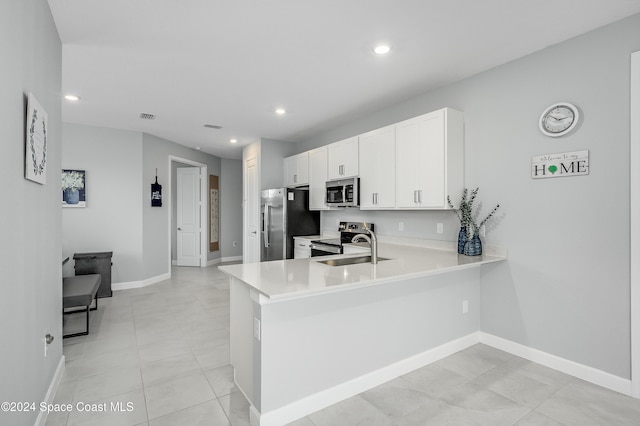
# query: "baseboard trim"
[[51, 392], [231, 259], [139, 284], [581, 371], [325, 398]]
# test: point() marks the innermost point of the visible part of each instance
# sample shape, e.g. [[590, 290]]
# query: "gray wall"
[[156, 154], [120, 167], [30, 254], [565, 288], [272, 152], [112, 218], [231, 208]]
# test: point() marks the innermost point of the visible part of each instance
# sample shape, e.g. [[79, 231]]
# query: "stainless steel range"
[[347, 231]]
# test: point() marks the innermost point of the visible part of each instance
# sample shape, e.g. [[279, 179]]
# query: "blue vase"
[[473, 247], [462, 239], [71, 196]]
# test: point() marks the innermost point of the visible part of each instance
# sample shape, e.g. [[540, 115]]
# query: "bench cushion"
[[79, 290]]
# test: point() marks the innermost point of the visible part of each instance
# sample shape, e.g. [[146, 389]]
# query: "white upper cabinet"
[[317, 178], [429, 160], [378, 169], [343, 159], [296, 170]]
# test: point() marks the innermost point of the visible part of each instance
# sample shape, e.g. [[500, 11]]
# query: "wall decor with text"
[[35, 157], [562, 164]]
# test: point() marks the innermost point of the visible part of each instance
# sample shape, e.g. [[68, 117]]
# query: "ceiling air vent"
[[147, 116], [213, 126]]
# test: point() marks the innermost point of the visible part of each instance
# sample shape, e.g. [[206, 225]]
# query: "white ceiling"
[[232, 62]]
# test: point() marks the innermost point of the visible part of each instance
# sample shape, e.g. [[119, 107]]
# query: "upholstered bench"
[[80, 291]]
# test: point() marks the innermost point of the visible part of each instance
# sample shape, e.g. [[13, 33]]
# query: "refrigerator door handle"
[[266, 226]]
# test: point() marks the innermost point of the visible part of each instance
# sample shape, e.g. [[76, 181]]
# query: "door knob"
[[179, 229]]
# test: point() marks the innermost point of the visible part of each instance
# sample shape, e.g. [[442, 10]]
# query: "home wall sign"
[[35, 167], [562, 164], [156, 193]]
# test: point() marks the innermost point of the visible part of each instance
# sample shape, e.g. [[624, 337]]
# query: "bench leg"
[[87, 309]]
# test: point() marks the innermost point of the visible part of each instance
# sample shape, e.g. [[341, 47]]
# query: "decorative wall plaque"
[[35, 167], [563, 164]]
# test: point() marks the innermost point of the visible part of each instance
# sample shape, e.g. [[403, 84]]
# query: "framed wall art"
[[35, 167], [73, 188]]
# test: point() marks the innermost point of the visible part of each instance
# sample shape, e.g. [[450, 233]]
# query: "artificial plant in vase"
[[469, 236], [72, 181]]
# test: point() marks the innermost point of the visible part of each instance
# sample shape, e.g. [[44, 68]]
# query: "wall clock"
[[559, 119]]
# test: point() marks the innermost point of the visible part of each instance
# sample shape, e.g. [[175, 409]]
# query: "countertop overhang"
[[294, 278]]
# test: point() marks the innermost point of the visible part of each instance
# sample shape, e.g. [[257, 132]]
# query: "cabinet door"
[[377, 169], [317, 178], [420, 162], [296, 170], [343, 159], [301, 248]]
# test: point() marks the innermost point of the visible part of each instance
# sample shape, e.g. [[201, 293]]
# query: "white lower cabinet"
[[301, 248], [377, 169], [353, 249]]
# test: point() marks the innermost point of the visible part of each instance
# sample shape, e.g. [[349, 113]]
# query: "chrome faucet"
[[373, 242]]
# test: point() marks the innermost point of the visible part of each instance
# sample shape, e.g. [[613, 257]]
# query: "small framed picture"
[[73, 188]]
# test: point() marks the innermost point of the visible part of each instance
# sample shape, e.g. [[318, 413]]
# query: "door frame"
[[635, 222], [204, 218]]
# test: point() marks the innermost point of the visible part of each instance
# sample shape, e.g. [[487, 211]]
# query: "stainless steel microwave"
[[343, 193]]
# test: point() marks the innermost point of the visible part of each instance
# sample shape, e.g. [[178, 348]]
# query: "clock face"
[[559, 119]]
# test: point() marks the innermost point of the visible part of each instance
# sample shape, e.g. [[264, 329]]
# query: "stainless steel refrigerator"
[[285, 214]]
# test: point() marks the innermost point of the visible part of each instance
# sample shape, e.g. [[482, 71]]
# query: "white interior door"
[[252, 212], [188, 216]]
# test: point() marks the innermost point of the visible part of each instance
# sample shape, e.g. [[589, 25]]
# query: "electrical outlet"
[[256, 328], [401, 226], [465, 306], [440, 228]]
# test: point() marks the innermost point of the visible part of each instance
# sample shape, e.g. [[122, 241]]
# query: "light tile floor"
[[162, 353]]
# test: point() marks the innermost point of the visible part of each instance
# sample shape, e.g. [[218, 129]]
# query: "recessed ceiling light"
[[281, 111], [233, 140], [382, 49], [72, 98], [198, 148]]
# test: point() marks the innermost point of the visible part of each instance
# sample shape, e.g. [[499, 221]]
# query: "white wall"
[[565, 288], [112, 218], [30, 254]]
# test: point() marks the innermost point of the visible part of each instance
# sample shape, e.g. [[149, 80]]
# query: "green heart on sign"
[[553, 169]]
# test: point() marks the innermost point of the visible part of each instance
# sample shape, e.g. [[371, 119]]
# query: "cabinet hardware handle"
[[295, 178]]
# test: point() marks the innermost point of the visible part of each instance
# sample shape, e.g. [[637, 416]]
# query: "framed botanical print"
[[73, 188], [35, 167]]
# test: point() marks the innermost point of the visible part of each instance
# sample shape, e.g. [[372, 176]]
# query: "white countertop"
[[293, 278]]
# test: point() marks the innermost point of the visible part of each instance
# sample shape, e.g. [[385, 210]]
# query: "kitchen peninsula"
[[305, 335]]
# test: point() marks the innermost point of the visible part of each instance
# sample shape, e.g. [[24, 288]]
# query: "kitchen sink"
[[350, 260]]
